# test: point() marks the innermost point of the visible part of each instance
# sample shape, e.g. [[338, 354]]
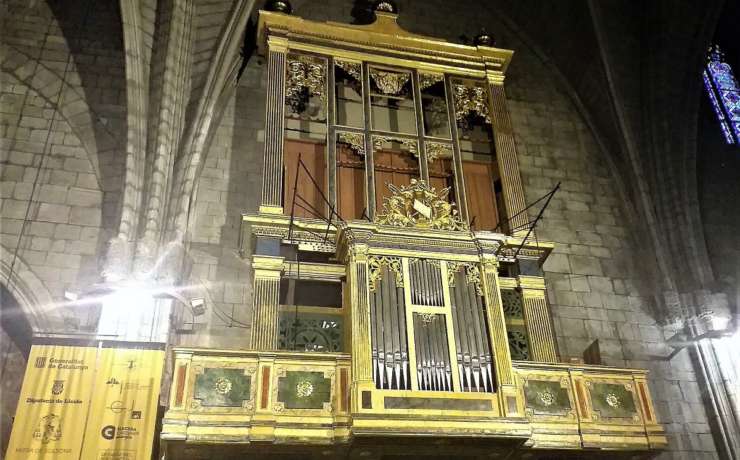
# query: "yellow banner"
[[87, 403], [124, 410], [54, 401]]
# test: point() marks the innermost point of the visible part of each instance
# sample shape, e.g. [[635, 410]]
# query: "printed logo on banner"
[[40, 362], [49, 429], [108, 432], [111, 432], [57, 387], [117, 407]]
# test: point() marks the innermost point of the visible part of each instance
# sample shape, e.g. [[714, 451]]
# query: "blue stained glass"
[[724, 93]]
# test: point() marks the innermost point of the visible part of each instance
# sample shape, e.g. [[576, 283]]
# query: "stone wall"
[[231, 184], [62, 123], [595, 275], [12, 367]]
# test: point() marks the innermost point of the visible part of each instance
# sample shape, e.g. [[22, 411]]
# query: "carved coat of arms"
[[419, 205]]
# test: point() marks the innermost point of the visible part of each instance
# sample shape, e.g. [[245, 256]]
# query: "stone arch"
[[29, 291]]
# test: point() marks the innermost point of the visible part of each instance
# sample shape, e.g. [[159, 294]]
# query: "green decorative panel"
[[217, 387], [518, 343], [304, 390], [511, 301], [612, 400], [546, 397], [310, 332]]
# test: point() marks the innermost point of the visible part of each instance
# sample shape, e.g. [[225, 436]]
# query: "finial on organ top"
[[279, 6], [385, 6], [484, 39]]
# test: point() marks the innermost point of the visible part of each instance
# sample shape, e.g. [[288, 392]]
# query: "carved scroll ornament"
[[390, 83], [471, 99], [437, 150], [306, 78], [472, 275], [429, 79], [355, 141], [354, 69], [375, 266], [421, 206], [409, 144]]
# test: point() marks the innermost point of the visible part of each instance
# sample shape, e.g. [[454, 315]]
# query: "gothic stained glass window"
[[724, 93]]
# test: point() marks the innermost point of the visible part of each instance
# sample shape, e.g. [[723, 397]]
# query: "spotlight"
[[71, 296], [198, 304]]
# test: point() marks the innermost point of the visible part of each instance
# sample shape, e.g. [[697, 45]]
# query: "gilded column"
[[272, 178], [496, 322], [508, 396], [537, 319], [360, 317], [511, 179], [265, 301]]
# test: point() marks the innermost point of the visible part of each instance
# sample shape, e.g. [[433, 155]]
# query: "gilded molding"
[[421, 206]]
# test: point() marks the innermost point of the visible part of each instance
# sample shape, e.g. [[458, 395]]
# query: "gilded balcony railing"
[[238, 398]]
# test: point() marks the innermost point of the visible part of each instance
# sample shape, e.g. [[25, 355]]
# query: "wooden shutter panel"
[[480, 194], [312, 155], [350, 183]]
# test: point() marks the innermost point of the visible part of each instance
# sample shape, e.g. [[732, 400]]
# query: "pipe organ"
[[395, 291]]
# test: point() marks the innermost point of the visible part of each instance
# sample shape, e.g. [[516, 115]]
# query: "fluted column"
[[511, 179], [537, 319], [265, 301], [272, 180], [496, 321], [509, 401], [357, 276]]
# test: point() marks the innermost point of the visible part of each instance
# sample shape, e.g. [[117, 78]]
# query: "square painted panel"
[[217, 387], [546, 397], [612, 400], [304, 390]]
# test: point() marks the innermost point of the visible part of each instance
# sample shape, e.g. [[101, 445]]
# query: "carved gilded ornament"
[[613, 400], [390, 83], [471, 99], [409, 144], [546, 397], [304, 389], [437, 150], [421, 206], [222, 385], [427, 318], [429, 79], [375, 265], [352, 68], [355, 141], [472, 275], [306, 77]]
